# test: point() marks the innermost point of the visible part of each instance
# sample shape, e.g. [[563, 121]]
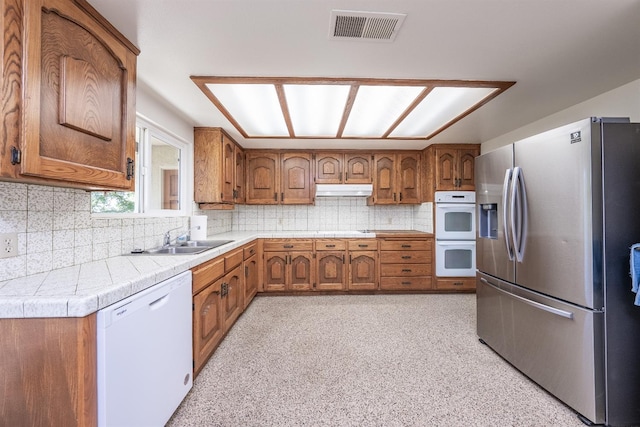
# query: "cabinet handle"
[[251, 251], [406, 257], [363, 246], [350, 259], [282, 197], [394, 197], [275, 197], [246, 271], [401, 196], [343, 258], [458, 283], [406, 283], [288, 246], [405, 246], [330, 246], [406, 270], [340, 176]]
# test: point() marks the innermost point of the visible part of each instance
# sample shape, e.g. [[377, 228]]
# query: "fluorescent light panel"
[[255, 107], [376, 108], [442, 105], [316, 110]]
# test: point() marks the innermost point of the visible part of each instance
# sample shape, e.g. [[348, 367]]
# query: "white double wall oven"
[[455, 230]]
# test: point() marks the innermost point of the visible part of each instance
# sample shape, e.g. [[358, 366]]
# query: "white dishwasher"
[[145, 365]]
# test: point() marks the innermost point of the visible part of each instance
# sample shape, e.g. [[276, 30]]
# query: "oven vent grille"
[[371, 26]]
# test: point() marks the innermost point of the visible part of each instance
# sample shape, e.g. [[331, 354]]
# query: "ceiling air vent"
[[372, 26]]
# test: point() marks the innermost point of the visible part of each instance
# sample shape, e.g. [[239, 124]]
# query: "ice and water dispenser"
[[488, 215]]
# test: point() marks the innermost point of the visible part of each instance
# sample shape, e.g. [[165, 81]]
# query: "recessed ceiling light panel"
[[316, 110]]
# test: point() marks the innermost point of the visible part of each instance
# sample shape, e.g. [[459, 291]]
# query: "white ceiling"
[[559, 52]]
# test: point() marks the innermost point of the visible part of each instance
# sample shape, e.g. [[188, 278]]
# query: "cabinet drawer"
[[408, 257], [403, 270], [331, 245], [461, 283], [363, 245], [287, 245], [405, 245], [206, 273], [250, 250], [405, 283], [232, 259]]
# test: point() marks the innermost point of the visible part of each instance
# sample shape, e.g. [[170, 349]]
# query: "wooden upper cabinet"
[[342, 168], [396, 179], [329, 168], [68, 98], [279, 178], [384, 179], [451, 168], [357, 169], [263, 173], [214, 163], [296, 188], [409, 178], [239, 195]]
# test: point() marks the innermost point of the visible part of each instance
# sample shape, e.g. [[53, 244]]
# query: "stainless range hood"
[[344, 190]]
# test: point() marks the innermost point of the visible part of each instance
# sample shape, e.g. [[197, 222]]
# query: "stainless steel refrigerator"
[[557, 214]]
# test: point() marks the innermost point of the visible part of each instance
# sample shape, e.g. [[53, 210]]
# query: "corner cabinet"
[[217, 162], [451, 168], [396, 179], [68, 96], [279, 178]]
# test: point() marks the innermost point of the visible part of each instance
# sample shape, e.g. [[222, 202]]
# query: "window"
[[160, 177]]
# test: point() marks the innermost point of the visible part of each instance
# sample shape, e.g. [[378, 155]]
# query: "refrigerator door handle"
[[519, 218], [505, 213], [547, 308]]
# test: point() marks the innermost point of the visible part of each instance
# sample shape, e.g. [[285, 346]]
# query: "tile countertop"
[[80, 290]]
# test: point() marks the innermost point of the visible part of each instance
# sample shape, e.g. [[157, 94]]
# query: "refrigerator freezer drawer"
[[529, 330]]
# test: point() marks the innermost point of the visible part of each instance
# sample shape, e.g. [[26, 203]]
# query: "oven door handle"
[[465, 243]]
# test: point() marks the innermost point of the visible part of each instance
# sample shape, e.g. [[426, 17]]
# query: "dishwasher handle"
[[160, 302]]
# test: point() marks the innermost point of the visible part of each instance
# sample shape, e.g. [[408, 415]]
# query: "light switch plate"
[[8, 245]]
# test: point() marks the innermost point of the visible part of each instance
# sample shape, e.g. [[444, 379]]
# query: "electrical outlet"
[[8, 245]]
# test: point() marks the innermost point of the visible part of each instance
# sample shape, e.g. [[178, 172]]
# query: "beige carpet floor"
[[374, 360]]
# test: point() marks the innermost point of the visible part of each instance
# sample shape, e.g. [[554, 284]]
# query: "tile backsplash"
[[56, 229]]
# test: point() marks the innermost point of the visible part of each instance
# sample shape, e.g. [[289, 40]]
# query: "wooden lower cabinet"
[[330, 268], [208, 324], [363, 270], [219, 297], [251, 278], [456, 283], [288, 265], [48, 372], [231, 292], [405, 264]]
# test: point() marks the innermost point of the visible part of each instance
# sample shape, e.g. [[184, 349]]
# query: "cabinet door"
[[409, 178], [329, 168], [240, 178], [263, 172], [384, 182], [251, 278], [296, 186], [301, 271], [232, 296], [79, 83], [228, 170], [275, 271], [445, 169], [363, 271], [330, 271], [357, 169], [465, 169], [208, 324]]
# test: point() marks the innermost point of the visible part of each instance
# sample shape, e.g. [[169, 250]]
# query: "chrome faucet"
[[166, 240]]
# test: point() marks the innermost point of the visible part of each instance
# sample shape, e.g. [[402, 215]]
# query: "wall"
[[328, 214], [623, 101]]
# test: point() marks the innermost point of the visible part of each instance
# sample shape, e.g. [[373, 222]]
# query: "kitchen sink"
[[207, 243], [190, 247]]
